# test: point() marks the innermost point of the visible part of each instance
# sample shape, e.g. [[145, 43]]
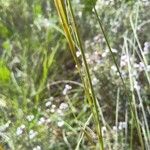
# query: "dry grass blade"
[[85, 74]]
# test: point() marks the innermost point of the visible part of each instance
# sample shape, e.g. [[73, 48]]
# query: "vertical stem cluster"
[[72, 35]]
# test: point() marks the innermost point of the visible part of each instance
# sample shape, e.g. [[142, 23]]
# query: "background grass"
[[46, 98]]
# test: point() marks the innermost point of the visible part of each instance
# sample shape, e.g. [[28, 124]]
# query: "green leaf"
[[37, 9], [4, 73]]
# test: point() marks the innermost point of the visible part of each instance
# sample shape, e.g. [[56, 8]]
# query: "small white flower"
[[95, 81], [64, 91], [114, 68], [141, 66], [50, 98], [80, 13], [122, 125], [30, 117], [22, 126], [53, 106], [32, 134], [60, 123], [67, 87], [48, 103], [37, 148], [104, 54], [63, 106], [52, 110], [115, 128], [60, 112], [146, 48], [41, 121], [136, 85], [104, 130], [78, 53], [48, 120], [124, 60], [20, 130]]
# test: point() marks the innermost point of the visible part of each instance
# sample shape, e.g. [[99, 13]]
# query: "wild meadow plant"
[[95, 96], [66, 15]]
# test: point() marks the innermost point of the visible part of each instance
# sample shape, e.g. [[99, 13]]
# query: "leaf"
[[4, 73], [37, 9]]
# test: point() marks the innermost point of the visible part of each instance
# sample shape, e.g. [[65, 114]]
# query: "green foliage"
[[88, 5], [46, 102], [4, 31], [4, 73]]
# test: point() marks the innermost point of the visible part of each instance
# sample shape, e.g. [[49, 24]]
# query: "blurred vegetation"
[[42, 101]]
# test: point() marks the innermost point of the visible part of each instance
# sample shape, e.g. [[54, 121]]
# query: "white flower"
[[141, 66], [104, 130], [104, 54], [53, 106], [124, 60], [122, 125], [136, 65], [60, 112], [37, 147], [63, 106], [30, 117], [80, 13], [60, 123], [22, 126], [32, 134], [146, 49], [95, 81], [78, 53], [67, 87], [20, 130], [48, 120], [52, 110], [41, 121], [136, 85], [50, 98], [115, 128], [114, 68], [48, 103]]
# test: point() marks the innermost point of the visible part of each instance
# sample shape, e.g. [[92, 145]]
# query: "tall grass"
[[72, 35], [132, 103], [44, 104]]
